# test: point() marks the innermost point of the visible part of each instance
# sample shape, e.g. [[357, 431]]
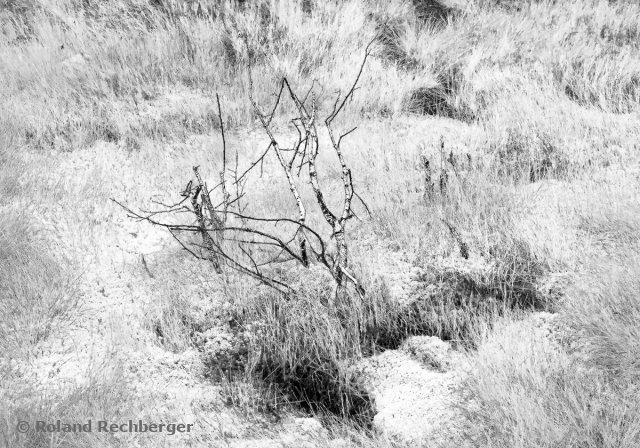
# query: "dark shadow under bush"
[[442, 99], [297, 343], [322, 387]]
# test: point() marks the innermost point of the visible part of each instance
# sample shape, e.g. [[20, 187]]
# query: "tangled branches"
[[232, 238]]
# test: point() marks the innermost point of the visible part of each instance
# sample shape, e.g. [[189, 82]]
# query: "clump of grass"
[[171, 320], [429, 101], [390, 35], [603, 321], [484, 270], [574, 383], [37, 294], [530, 392], [299, 344], [528, 156], [181, 312]]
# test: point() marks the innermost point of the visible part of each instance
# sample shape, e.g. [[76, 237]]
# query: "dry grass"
[[301, 347], [32, 305], [116, 60], [532, 394], [104, 396], [38, 290], [573, 383]]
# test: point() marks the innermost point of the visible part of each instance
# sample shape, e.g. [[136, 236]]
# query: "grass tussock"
[[300, 345], [37, 294], [533, 393], [573, 380], [181, 309], [604, 322]]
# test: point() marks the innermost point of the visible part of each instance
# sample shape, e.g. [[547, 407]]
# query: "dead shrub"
[[306, 318]]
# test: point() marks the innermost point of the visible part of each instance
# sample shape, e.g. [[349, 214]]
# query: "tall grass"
[[84, 72], [298, 344], [573, 381], [532, 394], [37, 295]]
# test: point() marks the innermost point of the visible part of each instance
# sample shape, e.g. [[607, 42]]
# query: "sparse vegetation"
[[496, 153]]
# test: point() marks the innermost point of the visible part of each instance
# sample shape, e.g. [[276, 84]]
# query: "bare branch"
[[259, 160], [336, 110], [224, 141], [206, 238], [223, 173], [292, 186]]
